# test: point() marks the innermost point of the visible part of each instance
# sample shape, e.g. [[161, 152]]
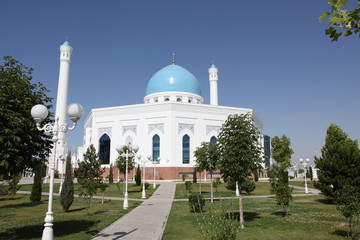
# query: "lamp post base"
[[126, 202], [48, 232]]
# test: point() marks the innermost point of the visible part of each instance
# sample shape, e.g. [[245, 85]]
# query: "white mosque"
[[171, 123]]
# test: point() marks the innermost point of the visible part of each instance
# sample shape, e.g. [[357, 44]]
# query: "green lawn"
[[112, 191], [302, 183], [310, 218], [19, 219], [262, 188]]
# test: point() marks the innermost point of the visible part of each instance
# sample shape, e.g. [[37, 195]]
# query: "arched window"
[[186, 149], [156, 147], [213, 139], [104, 149]]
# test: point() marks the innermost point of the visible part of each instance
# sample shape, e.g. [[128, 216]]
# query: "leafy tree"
[[138, 176], [188, 186], [278, 175], [349, 205], [89, 174], [341, 21], [36, 189], [207, 158], [22, 145], [281, 151], [67, 191], [196, 202], [103, 186], [111, 174], [121, 160], [240, 152], [184, 176], [339, 164]]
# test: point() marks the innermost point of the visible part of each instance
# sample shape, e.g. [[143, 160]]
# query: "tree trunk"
[[241, 210], [200, 183], [102, 199]]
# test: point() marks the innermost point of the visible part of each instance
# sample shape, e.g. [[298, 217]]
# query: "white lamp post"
[[305, 163], [133, 149], [154, 185], [143, 193], [39, 113]]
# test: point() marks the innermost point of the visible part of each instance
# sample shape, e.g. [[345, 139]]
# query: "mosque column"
[[213, 78]]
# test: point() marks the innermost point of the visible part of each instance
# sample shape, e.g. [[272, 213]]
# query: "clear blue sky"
[[273, 56]]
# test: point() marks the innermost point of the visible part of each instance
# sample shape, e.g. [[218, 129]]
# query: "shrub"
[[56, 174], [196, 202], [231, 185], [35, 196], [248, 186], [216, 183], [188, 186], [184, 176], [67, 191], [111, 174], [138, 177]]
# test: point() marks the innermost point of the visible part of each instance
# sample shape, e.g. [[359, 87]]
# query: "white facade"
[[168, 114]]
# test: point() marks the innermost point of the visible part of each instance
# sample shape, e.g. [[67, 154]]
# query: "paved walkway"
[[145, 222]]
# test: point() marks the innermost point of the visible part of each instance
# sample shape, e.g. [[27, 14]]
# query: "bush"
[[196, 202], [56, 174], [248, 186], [188, 186], [216, 183], [138, 177], [36, 189], [111, 175], [184, 176]]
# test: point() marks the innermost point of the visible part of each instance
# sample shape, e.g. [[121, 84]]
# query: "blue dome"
[[173, 78]]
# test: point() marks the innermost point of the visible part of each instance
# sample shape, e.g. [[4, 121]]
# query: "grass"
[[19, 219], [310, 218], [112, 191], [302, 183], [262, 188]]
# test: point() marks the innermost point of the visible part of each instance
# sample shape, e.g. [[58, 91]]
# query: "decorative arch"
[[155, 147], [213, 139], [186, 149], [104, 149]]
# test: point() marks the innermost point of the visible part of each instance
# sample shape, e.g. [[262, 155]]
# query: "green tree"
[[67, 191], [89, 174], [36, 189], [278, 175], [240, 152], [207, 158], [349, 206], [194, 176], [111, 174], [281, 151], [138, 176], [22, 145], [121, 160], [341, 21], [339, 164], [103, 186]]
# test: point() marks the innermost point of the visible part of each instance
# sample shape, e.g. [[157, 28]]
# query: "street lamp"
[[143, 193], [127, 154], [305, 163], [154, 185], [39, 113]]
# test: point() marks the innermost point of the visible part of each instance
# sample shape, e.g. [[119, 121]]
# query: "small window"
[[167, 99], [156, 99], [178, 99], [190, 100], [198, 101]]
